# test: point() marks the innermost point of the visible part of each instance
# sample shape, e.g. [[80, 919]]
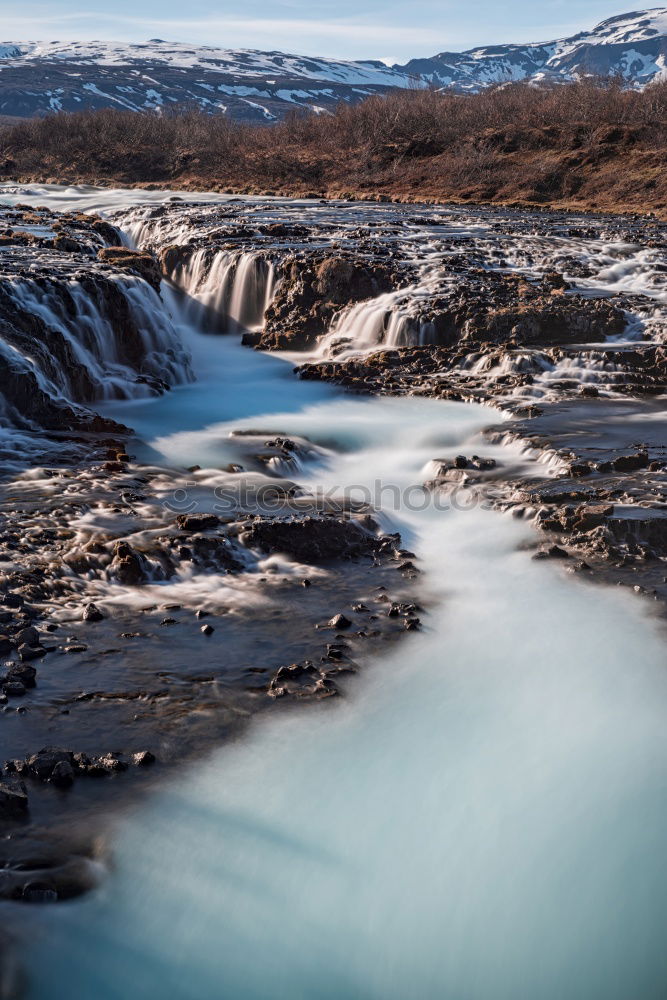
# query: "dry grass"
[[591, 144]]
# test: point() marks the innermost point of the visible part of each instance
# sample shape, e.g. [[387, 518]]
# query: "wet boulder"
[[62, 775], [29, 635], [340, 621], [27, 652], [42, 764], [310, 539], [197, 522], [91, 613], [301, 680], [21, 673], [630, 463], [129, 566]]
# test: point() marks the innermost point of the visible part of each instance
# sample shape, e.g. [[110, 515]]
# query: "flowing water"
[[482, 817]]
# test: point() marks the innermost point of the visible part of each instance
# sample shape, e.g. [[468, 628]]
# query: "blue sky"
[[370, 29]]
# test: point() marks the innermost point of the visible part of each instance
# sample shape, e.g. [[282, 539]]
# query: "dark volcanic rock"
[[91, 613], [340, 621], [128, 565], [139, 262], [310, 539], [311, 291], [197, 522], [42, 764], [302, 680]]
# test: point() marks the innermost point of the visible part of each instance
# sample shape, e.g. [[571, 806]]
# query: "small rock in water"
[[91, 613], [112, 762], [628, 463], [30, 636], [339, 621], [553, 552], [142, 758], [22, 673], [42, 764], [27, 652], [207, 630], [14, 689], [197, 522]]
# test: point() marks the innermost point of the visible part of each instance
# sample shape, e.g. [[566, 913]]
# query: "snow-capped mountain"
[[41, 77], [633, 46]]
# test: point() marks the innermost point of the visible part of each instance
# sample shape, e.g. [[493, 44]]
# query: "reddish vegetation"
[[589, 145]]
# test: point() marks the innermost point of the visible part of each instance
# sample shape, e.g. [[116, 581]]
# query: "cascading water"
[[384, 322], [226, 291], [72, 339]]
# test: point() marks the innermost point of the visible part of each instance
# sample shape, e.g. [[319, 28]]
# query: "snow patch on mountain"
[[633, 46]]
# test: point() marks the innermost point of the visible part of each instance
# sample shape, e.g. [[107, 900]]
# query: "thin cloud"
[[333, 37], [35, 25]]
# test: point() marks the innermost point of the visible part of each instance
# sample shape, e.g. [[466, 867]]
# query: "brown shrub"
[[545, 144]]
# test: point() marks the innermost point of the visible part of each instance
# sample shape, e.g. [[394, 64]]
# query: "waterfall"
[[81, 324], [75, 339], [228, 291], [386, 321]]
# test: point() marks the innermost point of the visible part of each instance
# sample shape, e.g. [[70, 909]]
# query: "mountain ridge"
[[37, 78]]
